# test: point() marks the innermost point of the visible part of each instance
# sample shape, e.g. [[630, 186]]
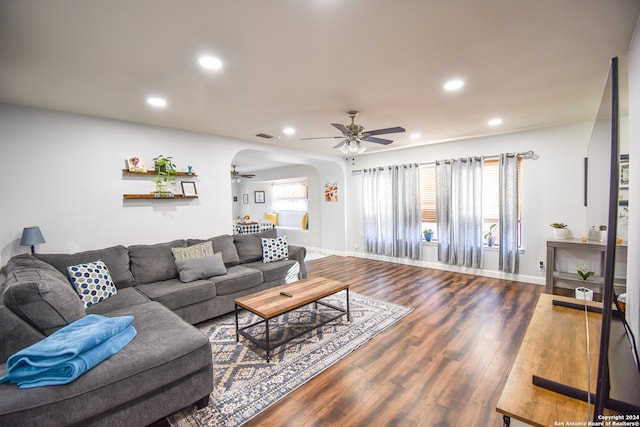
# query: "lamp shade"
[[31, 236]]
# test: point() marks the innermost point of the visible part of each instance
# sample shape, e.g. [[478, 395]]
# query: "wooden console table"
[[553, 348], [555, 245]]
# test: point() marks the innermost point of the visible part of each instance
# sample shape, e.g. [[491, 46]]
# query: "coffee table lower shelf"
[[267, 344]]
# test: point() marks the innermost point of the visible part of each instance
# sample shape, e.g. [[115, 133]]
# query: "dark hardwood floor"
[[442, 365]]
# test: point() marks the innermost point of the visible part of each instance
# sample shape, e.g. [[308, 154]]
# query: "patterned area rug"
[[245, 384]]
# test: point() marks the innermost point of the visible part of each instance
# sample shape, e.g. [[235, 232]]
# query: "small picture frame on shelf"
[[189, 189], [136, 164], [258, 196]]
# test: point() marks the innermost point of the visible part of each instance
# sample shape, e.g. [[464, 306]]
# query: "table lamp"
[[31, 236]]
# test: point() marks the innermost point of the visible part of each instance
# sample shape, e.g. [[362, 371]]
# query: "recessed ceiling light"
[[289, 131], [415, 136], [210, 62], [154, 101], [454, 84], [495, 121]]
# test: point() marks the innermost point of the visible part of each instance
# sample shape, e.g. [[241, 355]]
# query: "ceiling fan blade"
[[377, 140], [322, 137], [396, 129], [342, 128], [341, 143], [246, 175]]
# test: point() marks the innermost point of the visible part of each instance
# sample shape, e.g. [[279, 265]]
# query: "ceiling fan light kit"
[[354, 134], [352, 148]]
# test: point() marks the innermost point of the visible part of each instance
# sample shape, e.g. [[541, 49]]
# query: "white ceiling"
[[305, 63]]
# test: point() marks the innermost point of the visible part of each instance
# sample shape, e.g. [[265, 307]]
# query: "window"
[[290, 195], [428, 197], [490, 195]]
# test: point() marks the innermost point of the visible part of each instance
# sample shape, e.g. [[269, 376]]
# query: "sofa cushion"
[[126, 297], [174, 294], [116, 259], [200, 268], [274, 249], [154, 263], [224, 244], [193, 251], [45, 301], [286, 270], [238, 278], [249, 246], [92, 282]]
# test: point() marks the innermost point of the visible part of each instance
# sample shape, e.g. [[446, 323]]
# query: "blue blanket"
[[69, 352]]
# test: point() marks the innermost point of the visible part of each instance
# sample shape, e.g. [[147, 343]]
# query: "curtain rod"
[[524, 154]]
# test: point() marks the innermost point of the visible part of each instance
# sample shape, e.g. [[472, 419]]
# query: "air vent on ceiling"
[[264, 135]]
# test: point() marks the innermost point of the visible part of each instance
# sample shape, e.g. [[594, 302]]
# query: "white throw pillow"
[[92, 282], [275, 249]]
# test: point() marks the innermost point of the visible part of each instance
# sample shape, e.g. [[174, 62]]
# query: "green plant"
[[584, 273], [559, 225], [428, 231], [165, 173], [492, 229]]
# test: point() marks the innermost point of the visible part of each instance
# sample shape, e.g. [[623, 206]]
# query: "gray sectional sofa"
[[168, 365]]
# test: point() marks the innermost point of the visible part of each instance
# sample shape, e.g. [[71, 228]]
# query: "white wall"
[[63, 173], [633, 273]]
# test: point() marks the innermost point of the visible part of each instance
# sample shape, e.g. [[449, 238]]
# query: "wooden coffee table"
[[271, 303]]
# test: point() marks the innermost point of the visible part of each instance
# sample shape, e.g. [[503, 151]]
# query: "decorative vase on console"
[[560, 230], [603, 233]]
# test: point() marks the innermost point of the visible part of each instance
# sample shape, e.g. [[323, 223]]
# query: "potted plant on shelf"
[[165, 176], [428, 235], [491, 239], [560, 230]]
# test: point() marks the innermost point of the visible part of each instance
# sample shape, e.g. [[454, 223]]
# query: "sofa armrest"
[[15, 334], [299, 253]]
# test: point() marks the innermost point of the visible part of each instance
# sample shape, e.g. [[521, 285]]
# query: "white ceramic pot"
[[584, 294], [561, 233]]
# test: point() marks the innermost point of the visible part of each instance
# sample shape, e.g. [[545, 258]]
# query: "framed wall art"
[[189, 189], [258, 196], [624, 171]]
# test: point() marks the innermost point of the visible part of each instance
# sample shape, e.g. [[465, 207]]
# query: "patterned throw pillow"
[[275, 249], [194, 251], [92, 282]]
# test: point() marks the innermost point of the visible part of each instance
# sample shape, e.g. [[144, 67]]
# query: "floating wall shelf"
[[151, 196], [153, 172]]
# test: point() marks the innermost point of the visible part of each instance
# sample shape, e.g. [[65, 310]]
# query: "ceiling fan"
[[354, 134], [236, 176]]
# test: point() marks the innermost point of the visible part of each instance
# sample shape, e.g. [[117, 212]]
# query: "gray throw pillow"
[[191, 269]]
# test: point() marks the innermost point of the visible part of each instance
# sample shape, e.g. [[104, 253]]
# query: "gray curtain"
[[508, 246], [391, 208], [459, 211]]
